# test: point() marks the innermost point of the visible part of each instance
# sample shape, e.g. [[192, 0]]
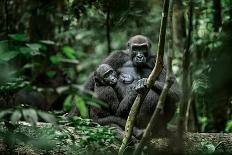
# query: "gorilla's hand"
[[140, 86]]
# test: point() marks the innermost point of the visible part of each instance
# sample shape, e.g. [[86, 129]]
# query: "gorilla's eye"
[[108, 73], [135, 48], [144, 48]]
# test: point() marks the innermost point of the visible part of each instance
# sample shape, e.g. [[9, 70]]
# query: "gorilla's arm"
[[108, 95], [174, 91], [125, 105]]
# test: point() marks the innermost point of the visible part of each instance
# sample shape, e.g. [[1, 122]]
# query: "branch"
[[185, 81], [168, 83], [150, 81]]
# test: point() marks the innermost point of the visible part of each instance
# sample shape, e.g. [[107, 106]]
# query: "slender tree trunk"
[[217, 19], [108, 29], [179, 25], [7, 20], [185, 80]]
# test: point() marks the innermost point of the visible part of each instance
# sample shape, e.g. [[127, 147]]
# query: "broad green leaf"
[[81, 106], [47, 117], [51, 74], [15, 117], [34, 46], [30, 116], [69, 52], [68, 103], [26, 51], [55, 59], [228, 126], [95, 102], [6, 56], [203, 120], [18, 37], [31, 65]]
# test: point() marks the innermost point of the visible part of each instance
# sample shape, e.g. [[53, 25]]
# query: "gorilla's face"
[[139, 53], [105, 75], [109, 77]]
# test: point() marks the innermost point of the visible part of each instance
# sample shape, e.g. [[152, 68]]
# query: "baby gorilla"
[[106, 88]]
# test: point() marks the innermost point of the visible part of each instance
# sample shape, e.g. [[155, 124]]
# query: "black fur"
[[123, 63]]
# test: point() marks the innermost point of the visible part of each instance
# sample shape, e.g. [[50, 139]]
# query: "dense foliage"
[[51, 47]]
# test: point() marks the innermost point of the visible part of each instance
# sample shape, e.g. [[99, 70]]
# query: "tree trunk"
[[217, 19], [178, 25], [108, 29]]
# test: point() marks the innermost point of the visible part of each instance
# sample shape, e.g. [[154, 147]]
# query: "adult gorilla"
[[133, 66]]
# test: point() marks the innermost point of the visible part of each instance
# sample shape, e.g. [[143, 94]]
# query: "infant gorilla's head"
[[105, 75]]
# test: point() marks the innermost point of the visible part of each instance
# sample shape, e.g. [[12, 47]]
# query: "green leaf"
[[35, 47], [69, 52], [30, 116], [203, 120], [15, 117], [32, 65], [55, 59], [68, 103], [6, 56], [51, 74], [19, 37], [26, 51], [95, 102], [81, 106], [228, 126], [48, 42], [47, 117]]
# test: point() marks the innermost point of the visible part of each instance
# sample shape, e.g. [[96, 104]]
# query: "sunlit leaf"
[[68, 103], [35, 47], [69, 52], [26, 51], [51, 74], [55, 59], [228, 126], [30, 116], [95, 102], [15, 117], [48, 42], [6, 56], [18, 37], [31, 65], [47, 117], [81, 106]]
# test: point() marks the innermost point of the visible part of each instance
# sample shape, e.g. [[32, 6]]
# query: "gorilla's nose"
[[139, 56]]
